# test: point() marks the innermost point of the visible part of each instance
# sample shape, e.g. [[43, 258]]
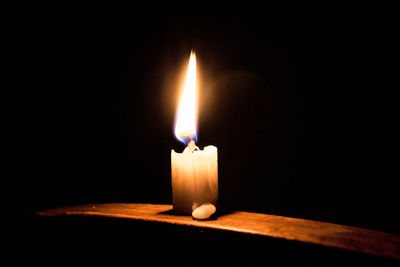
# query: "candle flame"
[[186, 118]]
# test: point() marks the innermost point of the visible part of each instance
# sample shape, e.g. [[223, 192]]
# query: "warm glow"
[[185, 126]]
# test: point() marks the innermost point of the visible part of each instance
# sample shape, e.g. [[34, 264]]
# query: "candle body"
[[194, 178]]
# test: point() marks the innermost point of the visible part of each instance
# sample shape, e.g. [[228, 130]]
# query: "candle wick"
[[192, 146]]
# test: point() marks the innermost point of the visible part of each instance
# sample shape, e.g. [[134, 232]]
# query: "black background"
[[293, 101]]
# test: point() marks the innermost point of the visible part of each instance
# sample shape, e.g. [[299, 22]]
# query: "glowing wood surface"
[[314, 232]]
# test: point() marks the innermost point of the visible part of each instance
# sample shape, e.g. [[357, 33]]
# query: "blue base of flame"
[[186, 140]]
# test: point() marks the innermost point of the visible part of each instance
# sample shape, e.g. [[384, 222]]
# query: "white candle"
[[194, 172], [194, 178]]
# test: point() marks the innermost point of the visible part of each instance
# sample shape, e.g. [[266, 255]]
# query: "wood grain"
[[320, 233]]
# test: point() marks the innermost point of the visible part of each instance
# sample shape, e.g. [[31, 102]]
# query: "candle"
[[194, 172]]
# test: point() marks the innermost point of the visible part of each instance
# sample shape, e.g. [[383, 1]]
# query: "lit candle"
[[194, 172]]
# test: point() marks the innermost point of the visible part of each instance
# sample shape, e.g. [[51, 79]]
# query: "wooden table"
[[337, 236]]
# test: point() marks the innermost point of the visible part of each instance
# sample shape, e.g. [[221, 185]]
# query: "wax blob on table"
[[204, 211]]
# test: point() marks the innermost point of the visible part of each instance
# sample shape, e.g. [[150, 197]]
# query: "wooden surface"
[[320, 233]]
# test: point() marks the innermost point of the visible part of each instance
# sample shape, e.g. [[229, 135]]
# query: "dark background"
[[293, 101]]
